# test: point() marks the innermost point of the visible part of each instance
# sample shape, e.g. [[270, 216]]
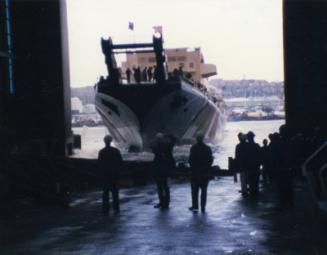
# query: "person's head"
[[250, 135], [265, 142], [276, 137], [199, 137], [107, 140], [241, 137], [284, 131]]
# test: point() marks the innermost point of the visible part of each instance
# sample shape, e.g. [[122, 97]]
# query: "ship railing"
[[315, 170]]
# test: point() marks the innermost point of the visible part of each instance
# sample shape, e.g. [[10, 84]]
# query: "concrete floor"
[[232, 225]]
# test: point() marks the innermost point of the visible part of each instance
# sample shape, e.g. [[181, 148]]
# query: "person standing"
[[240, 154], [128, 75], [176, 75], [145, 74], [149, 71], [200, 162], [265, 162], [283, 171], [163, 163], [110, 163], [137, 74], [252, 164]]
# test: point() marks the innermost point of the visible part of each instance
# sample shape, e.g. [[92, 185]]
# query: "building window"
[[181, 58], [191, 65]]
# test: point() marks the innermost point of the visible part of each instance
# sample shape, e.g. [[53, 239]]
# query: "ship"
[[172, 103]]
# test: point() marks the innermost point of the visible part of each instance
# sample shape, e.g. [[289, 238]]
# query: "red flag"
[[158, 29]]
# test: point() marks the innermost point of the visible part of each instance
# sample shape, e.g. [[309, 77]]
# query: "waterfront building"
[[191, 61], [77, 106]]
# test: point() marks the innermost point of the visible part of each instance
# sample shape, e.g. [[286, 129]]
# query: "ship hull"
[[181, 112]]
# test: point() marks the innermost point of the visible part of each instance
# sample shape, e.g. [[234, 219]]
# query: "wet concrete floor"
[[231, 225]]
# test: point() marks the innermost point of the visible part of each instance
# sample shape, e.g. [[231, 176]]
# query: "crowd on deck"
[[149, 74]]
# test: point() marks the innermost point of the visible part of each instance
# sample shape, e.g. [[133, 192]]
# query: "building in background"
[[191, 60], [77, 106]]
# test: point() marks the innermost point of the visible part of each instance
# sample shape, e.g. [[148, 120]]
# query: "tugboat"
[[134, 112]]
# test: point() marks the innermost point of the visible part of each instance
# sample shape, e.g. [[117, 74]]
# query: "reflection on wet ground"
[[232, 225]]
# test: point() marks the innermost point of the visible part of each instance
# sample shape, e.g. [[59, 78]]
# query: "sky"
[[243, 38]]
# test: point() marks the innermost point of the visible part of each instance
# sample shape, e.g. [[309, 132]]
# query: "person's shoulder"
[[206, 146], [101, 153], [113, 149], [209, 150], [194, 146]]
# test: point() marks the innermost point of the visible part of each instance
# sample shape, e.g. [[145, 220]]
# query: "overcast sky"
[[243, 38]]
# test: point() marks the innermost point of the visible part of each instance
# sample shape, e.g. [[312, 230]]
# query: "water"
[[92, 141]]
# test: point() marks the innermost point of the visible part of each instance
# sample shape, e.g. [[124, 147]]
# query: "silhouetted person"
[[189, 76], [283, 160], [128, 75], [265, 162], [176, 74], [137, 74], [240, 157], [110, 163], [145, 74], [252, 163], [200, 162], [163, 163], [150, 74]]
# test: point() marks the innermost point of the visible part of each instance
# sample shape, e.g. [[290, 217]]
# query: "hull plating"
[[182, 113]]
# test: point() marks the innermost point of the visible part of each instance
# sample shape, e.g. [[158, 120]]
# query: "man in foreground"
[[200, 161], [110, 164]]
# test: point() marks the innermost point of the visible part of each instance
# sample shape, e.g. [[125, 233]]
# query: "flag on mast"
[[131, 25]]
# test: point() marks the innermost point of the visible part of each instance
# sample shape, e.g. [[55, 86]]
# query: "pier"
[[231, 225]]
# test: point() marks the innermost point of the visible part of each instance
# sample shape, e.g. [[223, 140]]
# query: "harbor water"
[[92, 141]]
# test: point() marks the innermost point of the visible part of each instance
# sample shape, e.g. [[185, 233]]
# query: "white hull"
[[193, 113]]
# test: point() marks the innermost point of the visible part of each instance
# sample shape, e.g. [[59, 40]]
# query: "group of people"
[[200, 159], [177, 74], [277, 161], [273, 161], [148, 74]]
